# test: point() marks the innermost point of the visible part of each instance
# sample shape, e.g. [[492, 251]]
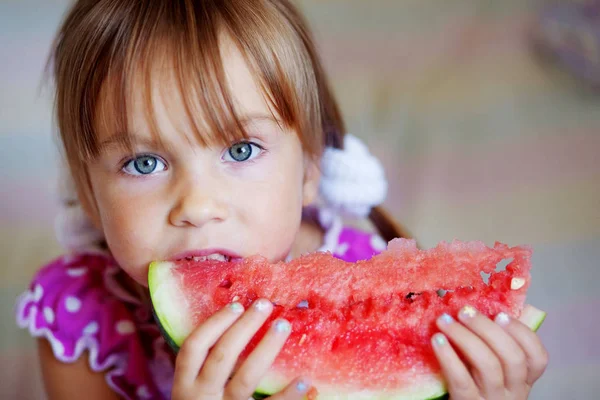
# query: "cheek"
[[128, 227], [276, 210]]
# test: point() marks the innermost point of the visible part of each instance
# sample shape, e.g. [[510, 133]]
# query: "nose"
[[198, 203]]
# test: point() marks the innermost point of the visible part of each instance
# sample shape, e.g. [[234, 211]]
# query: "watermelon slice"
[[359, 330]]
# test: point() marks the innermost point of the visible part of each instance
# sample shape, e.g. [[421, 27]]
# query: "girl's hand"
[[209, 355], [502, 359]]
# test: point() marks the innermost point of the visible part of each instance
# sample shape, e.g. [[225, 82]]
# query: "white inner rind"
[[169, 302], [533, 318]]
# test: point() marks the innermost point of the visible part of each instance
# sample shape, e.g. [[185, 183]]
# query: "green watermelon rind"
[[261, 396], [165, 307], [424, 387], [533, 318], [432, 394], [171, 320]]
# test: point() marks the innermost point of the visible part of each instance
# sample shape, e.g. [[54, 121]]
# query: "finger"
[[487, 370], [511, 356], [460, 383], [535, 352], [223, 356], [194, 350], [248, 376], [296, 390]]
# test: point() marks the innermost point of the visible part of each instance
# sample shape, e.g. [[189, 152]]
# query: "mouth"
[[214, 256], [207, 255]]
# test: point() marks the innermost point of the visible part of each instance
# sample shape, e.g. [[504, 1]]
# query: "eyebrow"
[[246, 120], [124, 139]]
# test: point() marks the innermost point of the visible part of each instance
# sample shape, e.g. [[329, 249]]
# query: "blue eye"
[[242, 151], [144, 165]]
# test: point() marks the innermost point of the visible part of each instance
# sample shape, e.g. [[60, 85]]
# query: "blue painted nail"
[[282, 326], [502, 319], [468, 312], [446, 319], [302, 386], [236, 308], [262, 305], [439, 339]]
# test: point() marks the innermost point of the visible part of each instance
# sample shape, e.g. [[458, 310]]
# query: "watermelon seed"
[[411, 296], [235, 298], [517, 283], [302, 339]]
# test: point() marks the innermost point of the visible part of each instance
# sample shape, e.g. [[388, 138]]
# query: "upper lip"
[[205, 252]]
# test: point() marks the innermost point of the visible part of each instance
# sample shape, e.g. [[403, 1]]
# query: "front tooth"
[[217, 257]]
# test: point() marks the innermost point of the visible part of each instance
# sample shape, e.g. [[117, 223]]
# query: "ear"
[[312, 177]]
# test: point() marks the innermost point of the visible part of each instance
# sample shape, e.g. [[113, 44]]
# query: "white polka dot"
[[76, 272], [73, 304], [341, 249], [49, 315], [125, 327], [90, 328], [377, 243], [38, 292], [143, 393]]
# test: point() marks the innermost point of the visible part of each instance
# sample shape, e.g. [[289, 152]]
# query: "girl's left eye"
[[144, 165], [242, 151]]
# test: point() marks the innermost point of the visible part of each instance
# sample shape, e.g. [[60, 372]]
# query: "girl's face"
[[178, 198]]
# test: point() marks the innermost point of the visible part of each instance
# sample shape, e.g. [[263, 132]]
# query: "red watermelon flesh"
[[361, 327]]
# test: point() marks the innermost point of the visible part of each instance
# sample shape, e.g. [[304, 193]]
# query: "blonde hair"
[[110, 42]]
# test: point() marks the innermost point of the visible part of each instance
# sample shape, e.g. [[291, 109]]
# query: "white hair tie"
[[353, 180]]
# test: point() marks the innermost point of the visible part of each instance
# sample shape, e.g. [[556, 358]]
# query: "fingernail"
[[446, 319], [236, 307], [262, 305], [502, 319], [439, 339], [468, 312], [302, 385], [282, 326]]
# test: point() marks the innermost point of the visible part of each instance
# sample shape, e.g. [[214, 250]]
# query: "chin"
[[139, 274]]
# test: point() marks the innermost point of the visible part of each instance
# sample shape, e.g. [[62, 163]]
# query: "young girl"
[[207, 129]]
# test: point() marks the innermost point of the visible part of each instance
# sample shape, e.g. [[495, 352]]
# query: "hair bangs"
[[165, 52]]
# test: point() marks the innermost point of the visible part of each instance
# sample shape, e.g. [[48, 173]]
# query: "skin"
[[199, 198], [503, 358]]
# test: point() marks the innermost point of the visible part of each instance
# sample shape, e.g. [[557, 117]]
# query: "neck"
[[309, 238]]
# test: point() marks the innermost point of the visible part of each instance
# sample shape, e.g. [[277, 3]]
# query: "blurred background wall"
[[481, 139]]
